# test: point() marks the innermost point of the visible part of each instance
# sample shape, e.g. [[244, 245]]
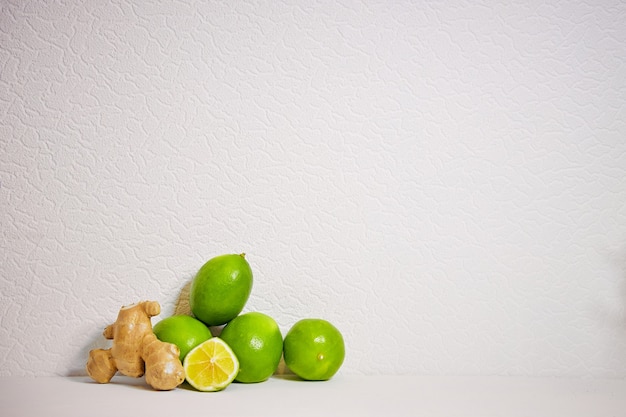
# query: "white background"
[[445, 182]]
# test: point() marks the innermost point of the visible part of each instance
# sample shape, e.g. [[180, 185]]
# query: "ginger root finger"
[[101, 366], [164, 371]]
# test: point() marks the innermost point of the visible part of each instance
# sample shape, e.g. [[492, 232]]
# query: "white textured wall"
[[445, 182]]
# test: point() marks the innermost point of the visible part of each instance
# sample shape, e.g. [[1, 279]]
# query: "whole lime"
[[256, 340], [314, 349], [185, 332], [220, 289]]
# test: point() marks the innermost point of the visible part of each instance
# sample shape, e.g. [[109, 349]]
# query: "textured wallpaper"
[[444, 181]]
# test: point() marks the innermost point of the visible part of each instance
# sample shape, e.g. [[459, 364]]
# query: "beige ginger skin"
[[136, 350]]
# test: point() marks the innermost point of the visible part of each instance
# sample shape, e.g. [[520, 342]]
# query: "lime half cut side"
[[211, 366]]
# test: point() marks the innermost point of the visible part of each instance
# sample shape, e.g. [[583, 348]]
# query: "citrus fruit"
[[211, 366], [220, 289], [256, 340], [314, 349], [185, 332]]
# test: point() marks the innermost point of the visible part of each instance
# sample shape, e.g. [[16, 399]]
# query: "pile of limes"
[[250, 345]]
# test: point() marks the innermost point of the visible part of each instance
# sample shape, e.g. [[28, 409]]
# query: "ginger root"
[[136, 350]]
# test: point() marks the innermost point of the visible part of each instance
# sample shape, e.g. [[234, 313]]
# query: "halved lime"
[[211, 366]]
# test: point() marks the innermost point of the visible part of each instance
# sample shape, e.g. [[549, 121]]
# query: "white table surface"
[[342, 396]]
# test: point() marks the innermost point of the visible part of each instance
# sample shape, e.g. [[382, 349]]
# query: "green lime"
[[256, 340], [314, 349], [220, 289], [185, 332]]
